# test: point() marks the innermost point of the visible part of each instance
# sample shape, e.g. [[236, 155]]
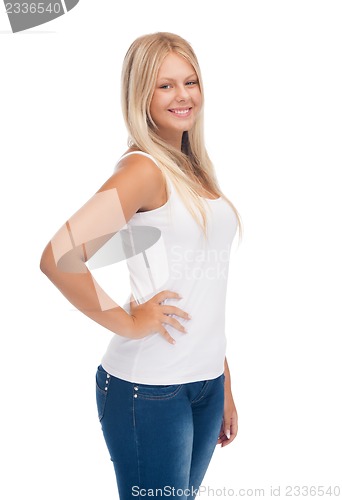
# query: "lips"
[[180, 111]]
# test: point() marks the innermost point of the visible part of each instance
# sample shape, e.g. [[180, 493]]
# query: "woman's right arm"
[[132, 186]]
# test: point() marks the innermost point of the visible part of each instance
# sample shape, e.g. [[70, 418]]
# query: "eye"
[[165, 86], [193, 82]]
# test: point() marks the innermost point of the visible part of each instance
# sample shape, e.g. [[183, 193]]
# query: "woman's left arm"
[[229, 425]]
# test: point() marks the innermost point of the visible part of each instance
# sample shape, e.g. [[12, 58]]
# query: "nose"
[[182, 94]]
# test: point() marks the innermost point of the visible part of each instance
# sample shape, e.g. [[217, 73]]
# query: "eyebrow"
[[172, 80]]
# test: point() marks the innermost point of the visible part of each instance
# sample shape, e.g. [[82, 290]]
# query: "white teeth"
[[180, 112]]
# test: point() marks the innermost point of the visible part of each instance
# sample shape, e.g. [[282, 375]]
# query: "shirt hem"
[[169, 381]]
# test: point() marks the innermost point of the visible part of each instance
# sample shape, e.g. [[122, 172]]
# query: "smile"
[[181, 112]]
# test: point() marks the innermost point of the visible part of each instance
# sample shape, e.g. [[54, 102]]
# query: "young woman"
[[163, 388]]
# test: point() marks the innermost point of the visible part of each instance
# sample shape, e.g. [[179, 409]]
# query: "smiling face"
[[176, 100]]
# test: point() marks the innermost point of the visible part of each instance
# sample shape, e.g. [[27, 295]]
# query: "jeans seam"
[[136, 436], [104, 393], [202, 393], [168, 396]]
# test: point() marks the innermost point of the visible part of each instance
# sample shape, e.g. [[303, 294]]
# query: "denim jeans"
[[160, 437]]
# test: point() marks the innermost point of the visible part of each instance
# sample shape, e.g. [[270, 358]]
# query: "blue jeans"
[[160, 437]]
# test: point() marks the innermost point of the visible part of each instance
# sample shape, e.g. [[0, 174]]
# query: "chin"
[[183, 127]]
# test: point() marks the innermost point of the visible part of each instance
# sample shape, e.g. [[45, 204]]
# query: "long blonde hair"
[[139, 75]]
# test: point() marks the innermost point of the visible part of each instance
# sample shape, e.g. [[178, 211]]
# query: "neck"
[[174, 140]]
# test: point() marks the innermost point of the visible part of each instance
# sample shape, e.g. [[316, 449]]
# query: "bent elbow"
[[47, 261], [43, 265]]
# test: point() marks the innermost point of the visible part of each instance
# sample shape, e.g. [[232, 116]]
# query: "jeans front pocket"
[[102, 386], [147, 391]]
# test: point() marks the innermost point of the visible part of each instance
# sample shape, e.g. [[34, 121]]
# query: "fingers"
[[167, 310], [167, 336], [175, 310], [159, 314], [166, 294], [230, 439], [173, 321], [233, 427], [233, 431], [227, 432], [222, 439], [222, 442], [226, 440]]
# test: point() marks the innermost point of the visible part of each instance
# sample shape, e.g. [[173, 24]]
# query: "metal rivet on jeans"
[[106, 388], [135, 395], [108, 375], [136, 388]]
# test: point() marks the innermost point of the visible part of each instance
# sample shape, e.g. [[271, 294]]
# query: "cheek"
[[159, 105], [198, 99], [154, 111], [155, 104]]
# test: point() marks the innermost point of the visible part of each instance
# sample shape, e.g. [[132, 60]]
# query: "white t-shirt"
[[166, 250]]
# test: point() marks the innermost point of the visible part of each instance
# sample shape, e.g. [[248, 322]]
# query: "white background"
[[273, 79]]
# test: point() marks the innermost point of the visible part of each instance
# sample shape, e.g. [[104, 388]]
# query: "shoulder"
[[141, 170], [139, 163], [137, 179], [136, 168]]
